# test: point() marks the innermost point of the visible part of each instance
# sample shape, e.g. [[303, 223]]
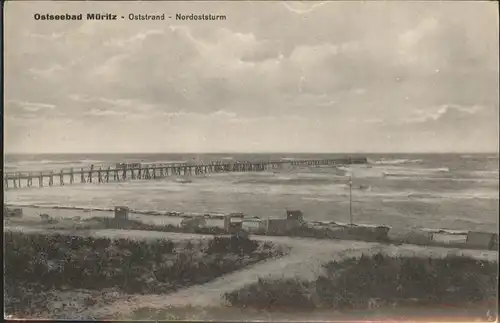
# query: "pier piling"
[[155, 171], [29, 182]]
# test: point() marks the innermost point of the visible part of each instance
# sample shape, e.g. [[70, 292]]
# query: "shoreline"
[[217, 216], [85, 219]]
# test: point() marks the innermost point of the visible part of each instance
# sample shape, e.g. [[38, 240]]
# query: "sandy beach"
[[304, 261], [426, 193], [251, 160]]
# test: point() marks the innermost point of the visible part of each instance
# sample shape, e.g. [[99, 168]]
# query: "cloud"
[[32, 106], [450, 127], [106, 112], [448, 111], [47, 72], [409, 41], [24, 110], [393, 69], [135, 39], [109, 107], [52, 36], [301, 7]]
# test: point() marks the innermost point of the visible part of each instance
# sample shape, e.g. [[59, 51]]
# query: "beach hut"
[[294, 215], [251, 225], [276, 226], [13, 213], [382, 232], [486, 240], [193, 222], [227, 222], [121, 213], [235, 227], [279, 226], [233, 220], [443, 237]]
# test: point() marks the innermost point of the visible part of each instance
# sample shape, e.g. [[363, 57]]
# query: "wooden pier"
[[124, 172]]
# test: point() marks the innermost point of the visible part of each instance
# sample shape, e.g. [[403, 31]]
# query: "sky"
[[273, 77]]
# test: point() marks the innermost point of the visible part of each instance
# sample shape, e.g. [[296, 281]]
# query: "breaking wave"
[[391, 171], [395, 161], [285, 180], [486, 173], [165, 162], [415, 172], [21, 163]]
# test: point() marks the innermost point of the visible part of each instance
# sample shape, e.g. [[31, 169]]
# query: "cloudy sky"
[[304, 77]]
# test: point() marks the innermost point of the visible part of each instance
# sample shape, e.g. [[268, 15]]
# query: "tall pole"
[[350, 199]]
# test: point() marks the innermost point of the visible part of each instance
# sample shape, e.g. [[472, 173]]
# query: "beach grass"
[[356, 233], [96, 223], [378, 280], [38, 264]]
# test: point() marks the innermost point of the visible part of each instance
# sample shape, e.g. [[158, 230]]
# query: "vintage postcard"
[[270, 161]]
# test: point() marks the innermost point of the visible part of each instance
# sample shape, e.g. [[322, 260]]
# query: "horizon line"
[[255, 152]]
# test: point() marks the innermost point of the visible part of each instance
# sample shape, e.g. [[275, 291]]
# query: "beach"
[[449, 191], [255, 160], [398, 192], [205, 301]]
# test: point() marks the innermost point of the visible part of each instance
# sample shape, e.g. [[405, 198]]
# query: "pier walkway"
[[123, 172]]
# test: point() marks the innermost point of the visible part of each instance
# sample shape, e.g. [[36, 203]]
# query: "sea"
[[437, 191]]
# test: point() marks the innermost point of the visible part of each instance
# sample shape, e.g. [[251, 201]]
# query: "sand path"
[[304, 261]]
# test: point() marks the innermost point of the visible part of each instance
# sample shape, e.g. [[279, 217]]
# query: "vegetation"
[[356, 283], [112, 223], [304, 231], [354, 233], [36, 264]]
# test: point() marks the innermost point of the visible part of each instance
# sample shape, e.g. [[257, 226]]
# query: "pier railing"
[[124, 172]]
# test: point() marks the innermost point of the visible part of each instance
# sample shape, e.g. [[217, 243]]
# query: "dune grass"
[[368, 234], [381, 280], [36, 264], [112, 223]]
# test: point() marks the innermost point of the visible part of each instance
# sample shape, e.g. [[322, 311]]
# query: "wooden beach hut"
[[121, 213], [294, 215], [12, 213], [193, 222]]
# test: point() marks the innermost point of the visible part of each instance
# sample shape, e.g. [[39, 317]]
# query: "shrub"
[[351, 283], [35, 263], [286, 294], [234, 244], [111, 223]]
